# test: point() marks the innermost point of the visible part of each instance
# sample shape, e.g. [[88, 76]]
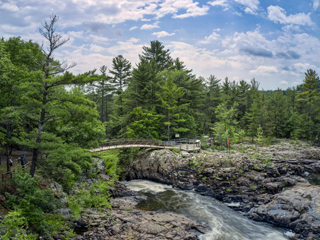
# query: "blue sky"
[[273, 41]]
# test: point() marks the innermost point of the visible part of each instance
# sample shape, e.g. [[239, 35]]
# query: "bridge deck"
[[184, 147]]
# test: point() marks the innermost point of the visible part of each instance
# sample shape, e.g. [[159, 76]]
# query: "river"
[[225, 223]]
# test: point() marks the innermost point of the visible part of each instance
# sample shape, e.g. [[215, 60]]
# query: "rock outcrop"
[[267, 182], [126, 222]]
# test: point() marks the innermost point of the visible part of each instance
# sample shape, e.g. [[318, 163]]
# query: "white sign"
[[177, 135]]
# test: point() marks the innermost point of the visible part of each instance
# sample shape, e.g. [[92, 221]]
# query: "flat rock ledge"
[[126, 222]]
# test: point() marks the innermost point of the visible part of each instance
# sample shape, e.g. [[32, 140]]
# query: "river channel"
[[225, 223]]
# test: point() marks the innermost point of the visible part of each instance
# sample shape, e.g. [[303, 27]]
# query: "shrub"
[[32, 207], [96, 196]]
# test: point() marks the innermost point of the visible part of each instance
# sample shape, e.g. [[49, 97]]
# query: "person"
[[18, 160], [10, 162], [228, 146], [23, 160]]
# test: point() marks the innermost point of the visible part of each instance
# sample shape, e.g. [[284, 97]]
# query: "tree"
[[43, 96], [145, 124], [212, 100], [173, 111], [158, 54], [226, 126], [121, 71], [102, 89], [253, 119], [276, 113], [13, 71], [309, 99]]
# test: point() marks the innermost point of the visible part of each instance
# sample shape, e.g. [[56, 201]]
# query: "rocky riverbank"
[[124, 221], [267, 183]]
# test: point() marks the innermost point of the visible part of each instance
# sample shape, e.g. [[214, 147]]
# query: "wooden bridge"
[[188, 145]]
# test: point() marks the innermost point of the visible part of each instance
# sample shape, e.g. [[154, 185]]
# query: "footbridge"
[[188, 145]]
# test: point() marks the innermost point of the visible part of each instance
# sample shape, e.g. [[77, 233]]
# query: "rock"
[[64, 211], [297, 208], [250, 182], [120, 190], [138, 224], [125, 203]]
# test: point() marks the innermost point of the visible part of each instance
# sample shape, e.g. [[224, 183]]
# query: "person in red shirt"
[[228, 146]]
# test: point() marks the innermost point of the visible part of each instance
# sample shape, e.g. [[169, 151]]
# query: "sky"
[[273, 41]]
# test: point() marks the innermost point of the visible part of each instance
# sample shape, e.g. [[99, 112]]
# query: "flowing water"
[[225, 223]]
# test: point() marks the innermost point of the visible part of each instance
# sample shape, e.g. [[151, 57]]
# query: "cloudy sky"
[[273, 41]]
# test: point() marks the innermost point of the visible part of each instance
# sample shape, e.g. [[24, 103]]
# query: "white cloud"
[[316, 4], [251, 6], [221, 3], [162, 34], [284, 82], [192, 10], [9, 6], [173, 6], [96, 48], [132, 28], [263, 70], [150, 26], [211, 38], [278, 14]]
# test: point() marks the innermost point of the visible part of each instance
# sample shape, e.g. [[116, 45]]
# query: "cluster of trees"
[[157, 98], [38, 113], [160, 97]]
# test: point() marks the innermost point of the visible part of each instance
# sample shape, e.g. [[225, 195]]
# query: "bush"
[[204, 143], [32, 207], [96, 196], [111, 161]]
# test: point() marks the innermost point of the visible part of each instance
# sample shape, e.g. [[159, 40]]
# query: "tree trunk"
[[8, 146], [102, 103], [40, 130]]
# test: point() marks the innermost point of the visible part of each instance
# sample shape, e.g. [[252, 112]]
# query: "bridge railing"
[[132, 141], [186, 144]]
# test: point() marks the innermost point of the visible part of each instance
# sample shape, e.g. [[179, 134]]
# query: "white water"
[[225, 223]]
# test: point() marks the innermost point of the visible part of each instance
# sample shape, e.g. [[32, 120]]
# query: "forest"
[[58, 116]]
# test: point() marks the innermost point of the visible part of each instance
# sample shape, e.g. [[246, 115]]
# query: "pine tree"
[[253, 115], [309, 98], [173, 111], [157, 53]]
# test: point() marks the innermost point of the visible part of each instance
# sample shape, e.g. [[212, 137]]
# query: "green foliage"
[[176, 150], [97, 196], [145, 124], [111, 161], [260, 138], [173, 111], [126, 157], [226, 127], [253, 187], [13, 227], [32, 210], [204, 143]]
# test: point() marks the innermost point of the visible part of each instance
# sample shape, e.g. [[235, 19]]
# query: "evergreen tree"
[[158, 54], [173, 111], [145, 124], [309, 98], [277, 108], [253, 115], [212, 100]]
